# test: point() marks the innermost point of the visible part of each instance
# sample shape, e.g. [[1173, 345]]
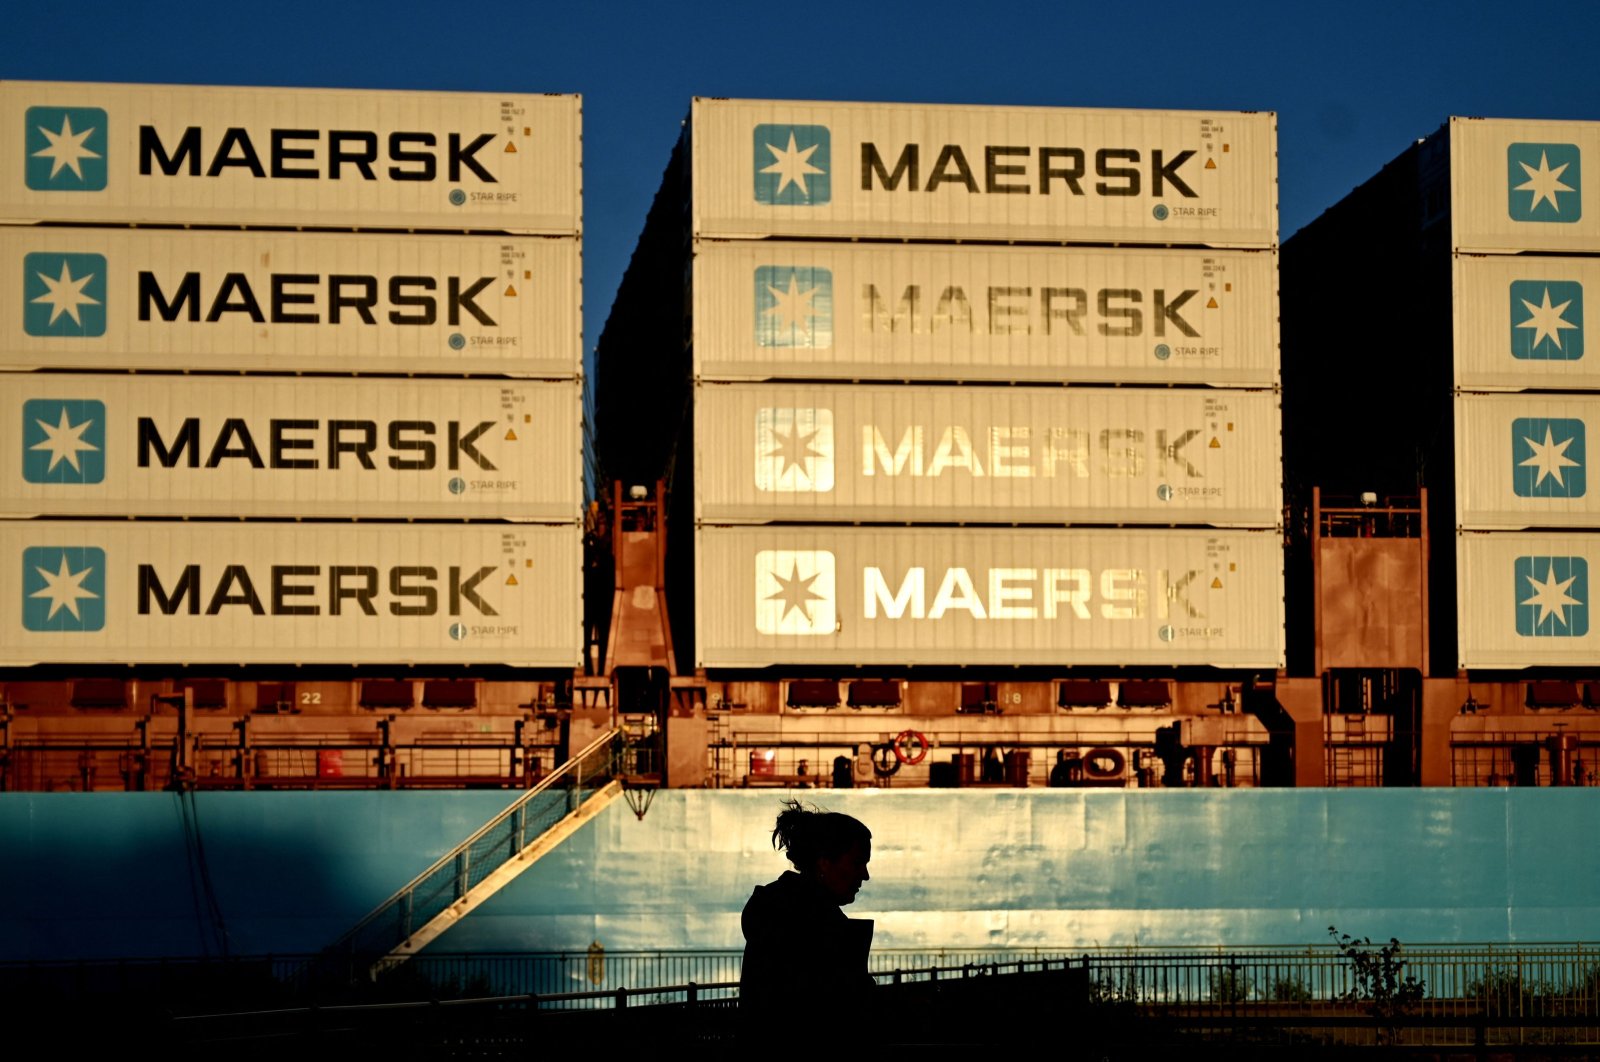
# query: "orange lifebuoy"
[[1103, 763], [913, 741]]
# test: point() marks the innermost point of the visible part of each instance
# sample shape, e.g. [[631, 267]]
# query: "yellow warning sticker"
[[511, 147], [1215, 445], [511, 435], [1211, 164], [1216, 584], [1211, 303], [511, 291], [511, 580]]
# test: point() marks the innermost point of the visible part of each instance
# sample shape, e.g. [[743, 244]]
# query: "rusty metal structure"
[[1367, 712]]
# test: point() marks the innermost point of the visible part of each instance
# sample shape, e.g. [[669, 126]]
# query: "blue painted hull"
[[102, 875]]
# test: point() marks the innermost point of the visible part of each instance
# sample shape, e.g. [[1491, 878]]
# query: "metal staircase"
[[484, 863]]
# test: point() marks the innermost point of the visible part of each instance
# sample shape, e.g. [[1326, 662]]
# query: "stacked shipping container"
[[1529, 527], [377, 422], [941, 252], [1473, 252]]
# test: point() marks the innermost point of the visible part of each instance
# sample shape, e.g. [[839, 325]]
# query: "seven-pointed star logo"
[[1547, 320], [1552, 597], [794, 450], [795, 592], [66, 149], [792, 164], [1544, 182], [63, 294], [63, 441], [63, 589], [794, 307], [1549, 456]]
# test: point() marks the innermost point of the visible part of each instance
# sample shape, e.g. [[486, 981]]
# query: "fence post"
[[622, 999]]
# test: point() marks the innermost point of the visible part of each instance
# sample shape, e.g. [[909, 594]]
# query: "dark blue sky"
[[1352, 83]]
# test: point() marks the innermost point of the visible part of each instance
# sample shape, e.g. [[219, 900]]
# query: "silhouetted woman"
[[801, 954]]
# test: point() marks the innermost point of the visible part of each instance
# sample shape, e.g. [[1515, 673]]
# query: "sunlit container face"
[[210, 155], [904, 596], [302, 302], [254, 593], [1523, 599], [1525, 321], [776, 310], [1032, 455], [1525, 185], [786, 168], [107, 445], [1524, 461]]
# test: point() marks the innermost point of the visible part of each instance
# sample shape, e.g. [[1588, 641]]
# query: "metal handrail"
[[402, 897]]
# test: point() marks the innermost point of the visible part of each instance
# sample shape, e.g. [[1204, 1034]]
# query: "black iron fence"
[[1418, 995]]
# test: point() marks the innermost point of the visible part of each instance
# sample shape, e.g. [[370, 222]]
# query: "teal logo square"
[[1552, 597], [1546, 320], [63, 440], [65, 149], [1548, 456], [1544, 182], [793, 165], [63, 588], [794, 307], [64, 294]]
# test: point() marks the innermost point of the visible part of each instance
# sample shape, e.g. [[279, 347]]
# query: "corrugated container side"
[[1524, 600], [111, 445], [936, 172], [251, 593], [939, 596], [213, 155], [1521, 322], [814, 453], [1523, 461], [1519, 185], [292, 302], [917, 311]]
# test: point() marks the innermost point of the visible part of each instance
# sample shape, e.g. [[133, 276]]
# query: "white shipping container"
[[788, 310], [112, 445], [302, 302], [341, 158], [1523, 600], [1518, 185], [252, 593], [1523, 461], [1520, 322], [906, 596], [797, 452], [941, 172]]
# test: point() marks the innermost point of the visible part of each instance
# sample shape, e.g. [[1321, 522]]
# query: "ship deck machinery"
[[1358, 705]]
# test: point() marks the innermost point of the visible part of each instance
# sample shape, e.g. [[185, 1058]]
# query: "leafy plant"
[[1229, 986], [1380, 981], [1289, 989], [1503, 991]]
